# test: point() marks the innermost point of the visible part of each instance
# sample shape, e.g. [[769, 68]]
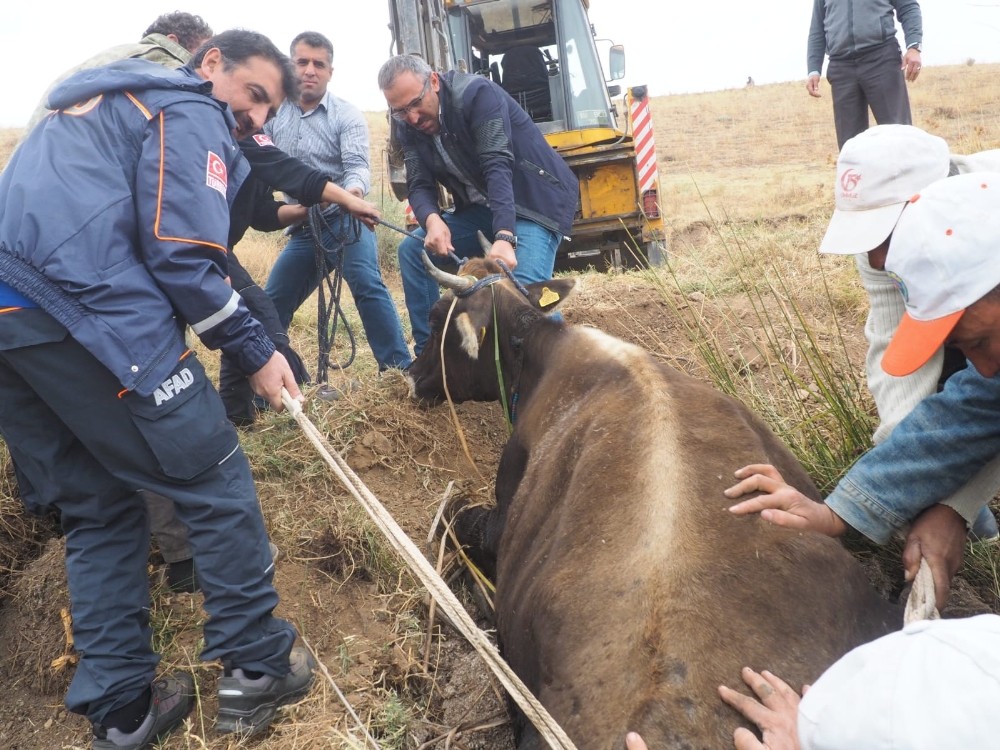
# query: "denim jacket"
[[935, 450]]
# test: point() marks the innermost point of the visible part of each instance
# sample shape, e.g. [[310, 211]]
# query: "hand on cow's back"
[[780, 503]]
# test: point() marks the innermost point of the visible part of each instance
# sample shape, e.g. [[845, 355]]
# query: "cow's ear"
[[548, 295], [471, 334]]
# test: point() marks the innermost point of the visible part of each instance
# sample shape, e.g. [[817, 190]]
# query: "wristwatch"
[[915, 46], [506, 237]]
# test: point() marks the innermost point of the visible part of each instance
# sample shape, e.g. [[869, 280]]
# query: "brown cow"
[[626, 592]]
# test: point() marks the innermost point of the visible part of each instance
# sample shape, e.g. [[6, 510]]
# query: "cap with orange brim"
[[915, 342], [944, 256]]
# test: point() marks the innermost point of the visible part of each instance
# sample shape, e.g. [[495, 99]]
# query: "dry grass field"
[[746, 180]]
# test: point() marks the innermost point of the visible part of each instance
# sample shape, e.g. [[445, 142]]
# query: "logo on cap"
[[849, 180], [900, 285]]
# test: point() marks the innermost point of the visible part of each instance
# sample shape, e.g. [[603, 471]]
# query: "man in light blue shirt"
[[331, 135]]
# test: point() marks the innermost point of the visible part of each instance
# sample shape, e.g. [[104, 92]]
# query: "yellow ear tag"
[[548, 297], [482, 335]]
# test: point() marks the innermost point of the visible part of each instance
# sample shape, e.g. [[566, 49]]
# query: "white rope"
[[535, 711], [921, 604]]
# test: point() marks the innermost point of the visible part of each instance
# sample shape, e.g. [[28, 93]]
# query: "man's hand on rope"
[[352, 201], [362, 210], [938, 535], [438, 236], [268, 381]]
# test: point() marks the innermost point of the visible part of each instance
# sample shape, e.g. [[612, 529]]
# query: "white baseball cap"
[[878, 171], [943, 257], [933, 685]]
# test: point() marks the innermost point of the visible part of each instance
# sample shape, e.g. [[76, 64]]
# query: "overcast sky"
[[673, 46]]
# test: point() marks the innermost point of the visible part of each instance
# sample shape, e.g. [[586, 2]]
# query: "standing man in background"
[[867, 68], [331, 135]]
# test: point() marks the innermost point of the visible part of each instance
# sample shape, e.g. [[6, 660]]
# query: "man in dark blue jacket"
[[114, 216], [466, 133]]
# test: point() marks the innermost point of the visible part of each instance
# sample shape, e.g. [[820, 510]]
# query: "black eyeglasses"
[[402, 113]]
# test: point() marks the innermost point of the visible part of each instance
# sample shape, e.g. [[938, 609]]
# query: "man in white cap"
[[943, 253], [878, 171], [934, 684], [945, 262]]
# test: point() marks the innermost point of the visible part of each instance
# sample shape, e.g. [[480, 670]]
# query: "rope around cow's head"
[[459, 262]]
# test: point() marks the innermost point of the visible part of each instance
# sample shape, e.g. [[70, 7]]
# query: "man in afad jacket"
[[114, 215]]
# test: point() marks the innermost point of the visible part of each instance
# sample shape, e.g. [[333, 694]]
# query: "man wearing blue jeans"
[[331, 135], [466, 133]]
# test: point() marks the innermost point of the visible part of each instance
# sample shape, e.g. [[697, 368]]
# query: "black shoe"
[[248, 706], [181, 577], [173, 697], [328, 392]]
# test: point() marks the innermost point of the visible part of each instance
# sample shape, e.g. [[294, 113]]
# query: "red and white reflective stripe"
[[645, 149], [409, 218]]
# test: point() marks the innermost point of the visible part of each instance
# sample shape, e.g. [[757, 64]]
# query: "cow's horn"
[[484, 243], [445, 279]]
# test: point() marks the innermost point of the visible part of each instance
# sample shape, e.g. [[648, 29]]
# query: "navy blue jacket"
[[499, 150], [114, 216]]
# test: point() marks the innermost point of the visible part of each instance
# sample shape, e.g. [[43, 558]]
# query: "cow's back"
[[626, 591]]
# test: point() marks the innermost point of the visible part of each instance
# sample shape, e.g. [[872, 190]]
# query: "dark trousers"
[[86, 448], [237, 395], [872, 80]]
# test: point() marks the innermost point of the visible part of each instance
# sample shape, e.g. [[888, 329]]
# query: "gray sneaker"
[[173, 697], [248, 706]]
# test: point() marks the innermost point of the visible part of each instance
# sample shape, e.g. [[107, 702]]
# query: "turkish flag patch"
[[263, 140], [216, 174]]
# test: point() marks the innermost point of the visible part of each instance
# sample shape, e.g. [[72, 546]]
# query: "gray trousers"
[[171, 535], [873, 79]]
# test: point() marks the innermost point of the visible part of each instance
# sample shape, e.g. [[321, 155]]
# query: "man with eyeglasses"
[[330, 134], [466, 133]]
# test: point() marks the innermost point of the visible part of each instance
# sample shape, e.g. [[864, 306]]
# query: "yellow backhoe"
[[544, 53]]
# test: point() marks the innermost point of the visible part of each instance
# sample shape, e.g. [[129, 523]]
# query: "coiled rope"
[[330, 280]]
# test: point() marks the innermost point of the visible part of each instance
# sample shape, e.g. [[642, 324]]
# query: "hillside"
[[746, 179]]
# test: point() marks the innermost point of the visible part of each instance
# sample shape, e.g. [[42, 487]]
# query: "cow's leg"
[[479, 529], [469, 522]]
